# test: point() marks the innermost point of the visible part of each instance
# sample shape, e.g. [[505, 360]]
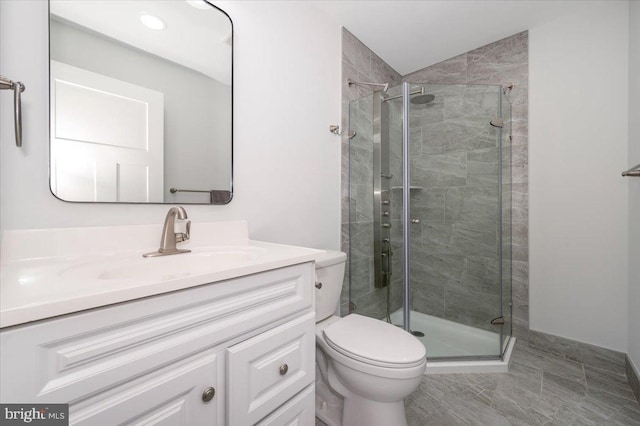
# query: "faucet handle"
[[184, 236]]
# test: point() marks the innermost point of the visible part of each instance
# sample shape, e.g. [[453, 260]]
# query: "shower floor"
[[444, 338]]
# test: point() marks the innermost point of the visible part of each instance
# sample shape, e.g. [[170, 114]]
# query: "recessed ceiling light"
[[152, 22], [199, 4]]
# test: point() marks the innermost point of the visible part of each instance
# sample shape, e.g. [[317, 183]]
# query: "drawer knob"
[[318, 285], [284, 368], [208, 394]]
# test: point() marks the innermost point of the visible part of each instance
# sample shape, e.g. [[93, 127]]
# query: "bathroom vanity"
[[230, 345]]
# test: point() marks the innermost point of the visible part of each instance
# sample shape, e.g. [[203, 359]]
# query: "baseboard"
[[594, 356], [633, 377]]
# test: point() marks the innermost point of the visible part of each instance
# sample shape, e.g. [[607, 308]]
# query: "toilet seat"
[[374, 342]]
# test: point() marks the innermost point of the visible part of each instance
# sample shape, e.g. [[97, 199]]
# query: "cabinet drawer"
[[299, 410], [170, 396], [63, 359], [267, 370]]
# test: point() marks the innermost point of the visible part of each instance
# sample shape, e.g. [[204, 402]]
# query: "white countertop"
[[47, 273]]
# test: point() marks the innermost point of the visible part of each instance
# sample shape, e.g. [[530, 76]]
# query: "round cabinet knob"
[[318, 285], [284, 368], [208, 394]]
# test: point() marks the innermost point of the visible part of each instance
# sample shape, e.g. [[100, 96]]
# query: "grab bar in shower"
[[632, 172]]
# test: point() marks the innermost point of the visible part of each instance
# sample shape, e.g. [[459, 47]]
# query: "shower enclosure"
[[430, 215]]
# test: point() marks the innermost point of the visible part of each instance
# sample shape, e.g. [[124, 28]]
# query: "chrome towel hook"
[[18, 88], [335, 129]]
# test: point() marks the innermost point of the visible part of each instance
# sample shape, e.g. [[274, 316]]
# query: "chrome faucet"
[[169, 236]]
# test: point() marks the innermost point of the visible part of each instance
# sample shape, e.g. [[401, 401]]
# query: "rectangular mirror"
[[140, 101]]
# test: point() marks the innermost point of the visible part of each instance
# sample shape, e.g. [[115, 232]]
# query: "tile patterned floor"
[[540, 389]]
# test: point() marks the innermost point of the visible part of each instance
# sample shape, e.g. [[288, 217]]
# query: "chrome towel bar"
[[18, 88], [174, 190], [632, 172], [216, 196]]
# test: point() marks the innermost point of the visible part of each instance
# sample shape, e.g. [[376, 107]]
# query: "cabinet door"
[[171, 396]]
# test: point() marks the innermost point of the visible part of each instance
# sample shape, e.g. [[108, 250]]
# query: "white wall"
[[634, 184], [578, 120], [286, 163]]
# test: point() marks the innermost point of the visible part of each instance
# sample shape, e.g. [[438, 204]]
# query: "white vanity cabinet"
[[247, 343]]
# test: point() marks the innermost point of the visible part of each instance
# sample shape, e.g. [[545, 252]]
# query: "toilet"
[[364, 367]]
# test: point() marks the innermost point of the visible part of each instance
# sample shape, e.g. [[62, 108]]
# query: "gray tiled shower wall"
[[455, 211]]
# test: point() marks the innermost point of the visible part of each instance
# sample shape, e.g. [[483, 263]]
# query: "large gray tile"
[[601, 358], [451, 70], [355, 53], [471, 308], [440, 170], [524, 354], [474, 238], [427, 204], [481, 275], [561, 389], [518, 398], [562, 367], [609, 382], [617, 410], [472, 203]]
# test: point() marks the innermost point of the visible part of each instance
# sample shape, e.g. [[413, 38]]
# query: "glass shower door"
[[375, 236], [457, 234], [454, 293]]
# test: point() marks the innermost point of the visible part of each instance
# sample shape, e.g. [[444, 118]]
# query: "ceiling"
[[411, 35], [195, 38]]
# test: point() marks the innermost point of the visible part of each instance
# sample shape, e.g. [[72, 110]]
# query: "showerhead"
[[422, 99]]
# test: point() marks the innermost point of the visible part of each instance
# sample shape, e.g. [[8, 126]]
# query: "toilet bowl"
[[365, 367]]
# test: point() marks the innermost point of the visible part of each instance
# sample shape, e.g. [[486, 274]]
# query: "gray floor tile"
[[563, 390], [540, 389], [563, 367], [609, 382]]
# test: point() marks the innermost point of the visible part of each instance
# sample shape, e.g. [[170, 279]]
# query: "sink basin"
[[134, 267]]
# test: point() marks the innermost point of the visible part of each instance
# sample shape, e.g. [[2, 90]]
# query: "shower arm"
[[385, 86]]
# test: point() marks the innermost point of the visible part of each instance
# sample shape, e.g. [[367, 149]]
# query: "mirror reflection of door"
[[173, 49], [106, 138]]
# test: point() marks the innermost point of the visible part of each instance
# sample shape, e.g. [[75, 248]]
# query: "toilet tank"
[[330, 272]]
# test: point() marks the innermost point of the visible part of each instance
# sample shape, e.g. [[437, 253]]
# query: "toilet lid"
[[374, 342]]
